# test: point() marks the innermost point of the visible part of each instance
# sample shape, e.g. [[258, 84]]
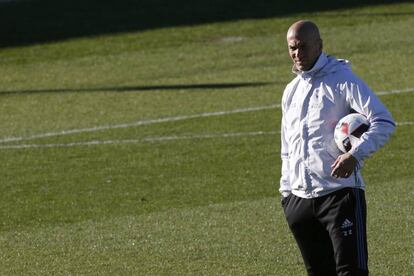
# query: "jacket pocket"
[[285, 200]]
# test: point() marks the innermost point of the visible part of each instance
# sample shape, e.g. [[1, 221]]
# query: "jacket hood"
[[324, 65]]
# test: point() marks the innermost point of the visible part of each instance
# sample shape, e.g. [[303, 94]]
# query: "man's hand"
[[344, 166]]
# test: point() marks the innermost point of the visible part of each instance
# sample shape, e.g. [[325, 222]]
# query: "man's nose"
[[300, 53]]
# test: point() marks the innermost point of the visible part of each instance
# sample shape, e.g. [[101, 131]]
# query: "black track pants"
[[330, 232]]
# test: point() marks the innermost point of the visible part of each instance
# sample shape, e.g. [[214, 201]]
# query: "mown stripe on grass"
[[139, 123], [163, 120], [152, 139], [176, 241]]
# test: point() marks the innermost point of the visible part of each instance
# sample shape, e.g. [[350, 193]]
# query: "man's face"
[[304, 50]]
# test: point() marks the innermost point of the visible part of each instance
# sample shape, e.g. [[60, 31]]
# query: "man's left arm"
[[364, 101], [382, 125]]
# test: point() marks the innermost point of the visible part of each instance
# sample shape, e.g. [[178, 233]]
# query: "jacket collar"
[[320, 63]]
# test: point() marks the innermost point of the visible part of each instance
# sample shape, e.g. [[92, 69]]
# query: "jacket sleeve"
[[382, 125], [285, 188]]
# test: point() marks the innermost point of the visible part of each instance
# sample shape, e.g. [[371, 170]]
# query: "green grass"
[[202, 206]]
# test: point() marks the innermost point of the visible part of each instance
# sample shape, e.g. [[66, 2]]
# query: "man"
[[322, 188]]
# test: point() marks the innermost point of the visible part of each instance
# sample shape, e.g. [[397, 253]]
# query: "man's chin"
[[302, 67]]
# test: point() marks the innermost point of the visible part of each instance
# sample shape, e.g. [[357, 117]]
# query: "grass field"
[[156, 152]]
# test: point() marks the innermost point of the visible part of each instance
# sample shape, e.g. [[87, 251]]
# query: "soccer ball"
[[349, 129]]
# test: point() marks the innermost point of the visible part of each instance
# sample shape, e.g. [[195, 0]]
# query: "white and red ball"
[[349, 129]]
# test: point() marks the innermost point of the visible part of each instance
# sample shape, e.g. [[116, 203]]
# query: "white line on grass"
[[140, 141], [407, 90], [151, 139], [163, 120], [138, 123], [405, 123]]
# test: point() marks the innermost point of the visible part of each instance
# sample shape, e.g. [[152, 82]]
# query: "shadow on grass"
[[203, 86], [25, 22]]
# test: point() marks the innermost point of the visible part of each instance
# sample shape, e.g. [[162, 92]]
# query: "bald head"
[[304, 28], [305, 44]]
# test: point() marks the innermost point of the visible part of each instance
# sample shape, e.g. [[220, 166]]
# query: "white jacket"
[[312, 104]]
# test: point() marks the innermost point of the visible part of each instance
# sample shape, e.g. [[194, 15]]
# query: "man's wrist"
[[354, 152]]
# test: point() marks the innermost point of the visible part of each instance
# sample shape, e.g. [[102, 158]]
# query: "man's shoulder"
[[289, 89], [345, 77], [292, 83], [338, 69]]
